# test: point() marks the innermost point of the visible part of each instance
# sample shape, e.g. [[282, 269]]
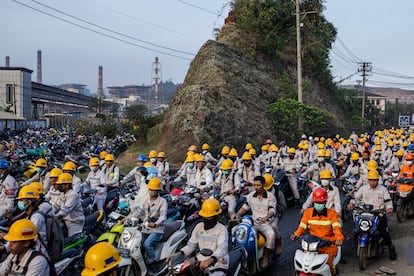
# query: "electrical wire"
[[98, 32], [343, 56], [110, 30], [200, 8], [355, 58]]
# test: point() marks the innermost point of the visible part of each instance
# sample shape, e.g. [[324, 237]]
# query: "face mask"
[[321, 159], [409, 163], [153, 193], [325, 182], [60, 188], [291, 157], [225, 172], [22, 206], [153, 160], [319, 206], [1, 175], [38, 170], [209, 223], [190, 165]]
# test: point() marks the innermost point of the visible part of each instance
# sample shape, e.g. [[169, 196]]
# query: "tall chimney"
[[7, 61], [39, 66], [100, 82]]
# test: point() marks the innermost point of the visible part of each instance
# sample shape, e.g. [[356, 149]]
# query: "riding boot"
[[278, 246], [265, 260]]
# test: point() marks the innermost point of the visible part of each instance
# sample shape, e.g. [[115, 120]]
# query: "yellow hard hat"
[[192, 148], [246, 156], [291, 150], [28, 192], [378, 147], [55, 172], [227, 164], [93, 162], [252, 151], [399, 152], [152, 154], [21, 230], [325, 174], [274, 148], [38, 187], [41, 162], [372, 165], [321, 145], [154, 184], [305, 146], [354, 156], [373, 174], [69, 166], [65, 178], [100, 258], [161, 154], [328, 153], [233, 152], [102, 154], [148, 164], [321, 153], [405, 144], [199, 158], [269, 180], [264, 147], [225, 150], [210, 208], [248, 146], [205, 146], [190, 158], [109, 157], [190, 152]]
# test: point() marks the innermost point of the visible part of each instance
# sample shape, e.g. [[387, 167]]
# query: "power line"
[[200, 8], [98, 32], [344, 65], [347, 50], [393, 76], [110, 30], [343, 56]]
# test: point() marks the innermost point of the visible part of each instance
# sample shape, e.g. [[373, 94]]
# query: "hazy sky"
[[378, 31]]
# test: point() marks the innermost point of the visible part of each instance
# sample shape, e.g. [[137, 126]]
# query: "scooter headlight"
[[305, 245], [241, 233], [365, 225], [313, 246], [126, 236]]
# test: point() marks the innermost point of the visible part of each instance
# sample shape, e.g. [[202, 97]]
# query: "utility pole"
[[299, 59], [364, 68]]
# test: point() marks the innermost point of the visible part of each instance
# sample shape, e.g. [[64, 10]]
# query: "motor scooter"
[[309, 262], [134, 261], [246, 236], [405, 203]]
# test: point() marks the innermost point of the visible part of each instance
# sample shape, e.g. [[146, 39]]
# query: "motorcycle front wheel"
[[363, 257], [401, 213], [130, 270]]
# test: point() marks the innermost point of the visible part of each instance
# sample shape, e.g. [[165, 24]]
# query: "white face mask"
[[325, 182], [153, 160], [321, 159], [409, 163]]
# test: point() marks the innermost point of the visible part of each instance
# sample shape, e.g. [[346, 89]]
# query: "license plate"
[[124, 252], [114, 215]]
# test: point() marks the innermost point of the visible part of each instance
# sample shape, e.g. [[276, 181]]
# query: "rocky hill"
[[226, 95]]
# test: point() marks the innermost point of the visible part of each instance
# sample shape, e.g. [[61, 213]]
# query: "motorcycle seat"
[[169, 229], [72, 239], [70, 253]]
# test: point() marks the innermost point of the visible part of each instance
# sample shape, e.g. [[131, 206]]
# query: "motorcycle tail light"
[[365, 225]]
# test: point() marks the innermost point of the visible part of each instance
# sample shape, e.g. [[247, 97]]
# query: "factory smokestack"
[[100, 83], [39, 66], [7, 61]]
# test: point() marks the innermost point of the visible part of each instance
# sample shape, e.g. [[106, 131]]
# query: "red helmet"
[[409, 156], [319, 195]]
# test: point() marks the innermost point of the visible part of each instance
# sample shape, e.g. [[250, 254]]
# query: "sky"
[[376, 31]]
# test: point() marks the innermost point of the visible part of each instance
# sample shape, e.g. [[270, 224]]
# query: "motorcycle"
[[348, 188], [368, 241], [182, 265], [246, 236], [133, 261], [391, 183], [309, 262], [405, 203]]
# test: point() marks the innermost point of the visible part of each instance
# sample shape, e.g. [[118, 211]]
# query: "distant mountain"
[[392, 93]]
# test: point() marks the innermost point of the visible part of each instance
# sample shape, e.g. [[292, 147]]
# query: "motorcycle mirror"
[[206, 252]]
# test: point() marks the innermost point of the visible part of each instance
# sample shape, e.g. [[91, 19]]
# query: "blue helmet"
[[410, 148], [4, 164], [142, 157]]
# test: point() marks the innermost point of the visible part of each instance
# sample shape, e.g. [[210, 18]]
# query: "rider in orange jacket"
[[407, 170], [323, 223]]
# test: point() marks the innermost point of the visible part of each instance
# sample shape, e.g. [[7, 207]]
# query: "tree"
[[136, 113]]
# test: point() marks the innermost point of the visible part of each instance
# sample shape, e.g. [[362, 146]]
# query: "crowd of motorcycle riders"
[[324, 160]]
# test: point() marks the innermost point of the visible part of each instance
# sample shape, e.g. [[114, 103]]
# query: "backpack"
[[35, 254], [55, 239]]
